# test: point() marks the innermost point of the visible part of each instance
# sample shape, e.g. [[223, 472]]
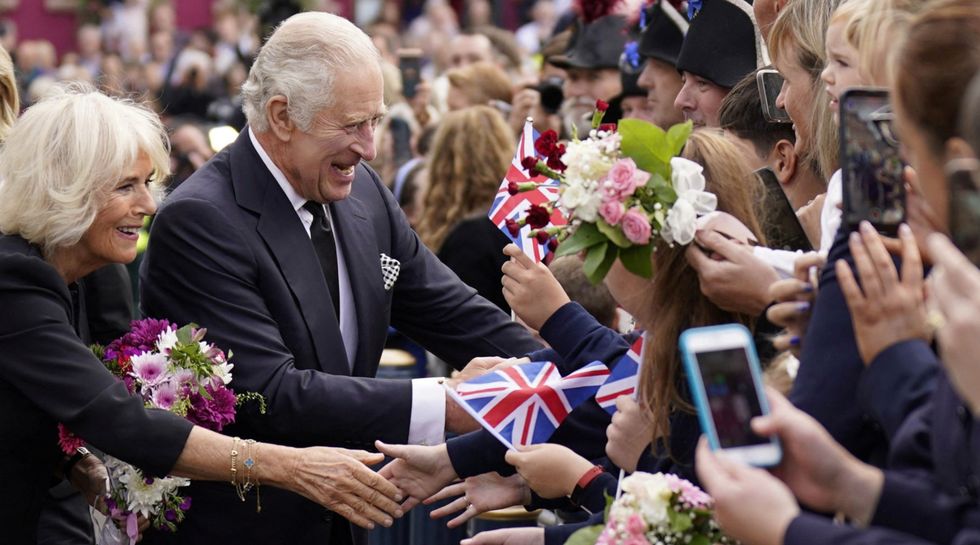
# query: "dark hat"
[[630, 86], [664, 32], [595, 45], [723, 43]]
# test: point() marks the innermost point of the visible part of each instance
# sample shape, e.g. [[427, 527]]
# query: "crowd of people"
[[314, 185]]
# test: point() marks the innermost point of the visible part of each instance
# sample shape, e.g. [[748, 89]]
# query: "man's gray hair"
[[301, 61]]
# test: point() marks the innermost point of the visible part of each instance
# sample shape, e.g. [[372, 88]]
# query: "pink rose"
[[612, 212], [624, 177], [635, 525], [636, 226]]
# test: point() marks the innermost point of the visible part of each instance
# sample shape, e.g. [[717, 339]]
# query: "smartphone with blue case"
[[726, 382]]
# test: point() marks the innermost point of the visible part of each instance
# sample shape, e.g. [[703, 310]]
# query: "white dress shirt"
[[428, 418]]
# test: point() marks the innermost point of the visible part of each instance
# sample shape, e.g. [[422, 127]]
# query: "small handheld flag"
[[524, 404], [622, 379], [513, 207]]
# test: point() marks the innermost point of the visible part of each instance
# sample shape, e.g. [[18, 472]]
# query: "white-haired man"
[[295, 257]]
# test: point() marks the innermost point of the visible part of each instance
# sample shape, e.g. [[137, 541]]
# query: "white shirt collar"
[[294, 198]]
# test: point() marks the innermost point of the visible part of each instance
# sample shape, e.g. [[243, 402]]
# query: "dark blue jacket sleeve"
[[558, 535], [579, 339], [832, 376], [810, 529], [899, 380]]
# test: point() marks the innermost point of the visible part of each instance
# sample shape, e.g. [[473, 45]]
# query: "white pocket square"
[[390, 267]]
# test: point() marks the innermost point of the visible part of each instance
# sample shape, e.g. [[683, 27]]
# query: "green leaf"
[[585, 536], [184, 335], [677, 137], [613, 233], [679, 522], [598, 260], [585, 236], [700, 539], [647, 145], [636, 259]]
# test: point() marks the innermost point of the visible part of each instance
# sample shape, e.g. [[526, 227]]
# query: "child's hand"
[[530, 289]]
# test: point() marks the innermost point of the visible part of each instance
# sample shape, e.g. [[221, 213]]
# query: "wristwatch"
[[80, 453]]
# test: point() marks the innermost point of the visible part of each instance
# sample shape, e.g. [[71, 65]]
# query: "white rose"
[[688, 180], [681, 223]]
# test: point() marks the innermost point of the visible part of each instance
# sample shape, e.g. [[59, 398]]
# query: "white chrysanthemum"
[[167, 340], [142, 497], [587, 160], [581, 199], [223, 371]]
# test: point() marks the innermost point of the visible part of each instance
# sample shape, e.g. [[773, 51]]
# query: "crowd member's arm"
[[955, 289], [793, 303], [889, 317]]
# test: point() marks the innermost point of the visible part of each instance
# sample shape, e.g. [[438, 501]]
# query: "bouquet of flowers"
[[655, 509], [172, 369], [621, 188]]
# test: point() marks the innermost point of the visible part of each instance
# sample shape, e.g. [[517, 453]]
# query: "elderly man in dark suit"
[[295, 257]]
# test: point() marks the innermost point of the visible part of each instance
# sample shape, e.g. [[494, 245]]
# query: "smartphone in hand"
[[963, 178], [779, 222], [723, 373], [410, 66], [871, 166], [770, 82]]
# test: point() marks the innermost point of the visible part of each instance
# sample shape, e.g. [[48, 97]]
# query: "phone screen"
[[410, 66], [871, 166], [770, 83], [782, 227], [731, 395], [964, 209]]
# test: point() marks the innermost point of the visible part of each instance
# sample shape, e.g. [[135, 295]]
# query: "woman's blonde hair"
[[9, 97], [64, 156], [675, 291], [470, 154], [873, 28], [481, 82], [801, 30]]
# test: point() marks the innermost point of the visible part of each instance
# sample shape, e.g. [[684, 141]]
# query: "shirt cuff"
[[428, 421], [780, 260]]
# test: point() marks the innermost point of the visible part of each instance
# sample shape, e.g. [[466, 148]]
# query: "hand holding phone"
[[871, 167], [410, 66], [770, 83], [723, 373], [963, 177]]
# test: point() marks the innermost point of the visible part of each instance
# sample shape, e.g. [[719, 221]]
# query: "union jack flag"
[[506, 206], [622, 379], [524, 404]]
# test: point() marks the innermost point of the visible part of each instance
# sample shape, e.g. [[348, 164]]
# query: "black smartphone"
[[770, 82], [779, 222], [410, 66], [963, 176], [871, 167]]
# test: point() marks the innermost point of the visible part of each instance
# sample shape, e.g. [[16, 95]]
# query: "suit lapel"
[[283, 233], [357, 241]]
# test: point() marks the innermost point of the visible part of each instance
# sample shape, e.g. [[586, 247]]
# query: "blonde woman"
[[9, 97], [470, 155]]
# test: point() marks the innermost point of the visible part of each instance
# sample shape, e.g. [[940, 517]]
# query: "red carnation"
[[542, 236], [545, 143], [608, 127], [554, 159], [530, 164], [512, 188], [552, 244], [538, 216], [601, 105], [513, 227]]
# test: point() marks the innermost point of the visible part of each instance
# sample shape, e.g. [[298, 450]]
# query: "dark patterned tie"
[[326, 250]]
